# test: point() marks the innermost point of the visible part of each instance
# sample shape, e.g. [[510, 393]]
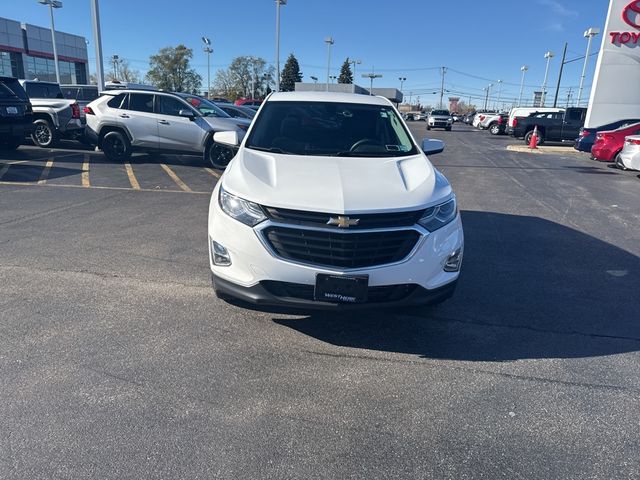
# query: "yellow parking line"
[[175, 178], [97, 187], [6, 166], [212, 172], [45, 172], [85, 171], [132, 178]]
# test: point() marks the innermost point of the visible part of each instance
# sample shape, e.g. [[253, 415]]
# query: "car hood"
[[219, 124], [335, 184]]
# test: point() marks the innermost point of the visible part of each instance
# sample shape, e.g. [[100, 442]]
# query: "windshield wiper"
[[364, 154], [268, 149]]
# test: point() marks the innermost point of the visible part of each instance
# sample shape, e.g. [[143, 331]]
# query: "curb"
[[542, 149]]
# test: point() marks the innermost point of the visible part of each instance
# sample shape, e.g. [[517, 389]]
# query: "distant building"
[[453, 104], [537, 99], [26, 51]]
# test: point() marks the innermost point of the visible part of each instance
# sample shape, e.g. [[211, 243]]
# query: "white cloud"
[[557, 8]]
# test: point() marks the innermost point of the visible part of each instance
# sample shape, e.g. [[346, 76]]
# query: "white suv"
[[330, 203], [123, 121]]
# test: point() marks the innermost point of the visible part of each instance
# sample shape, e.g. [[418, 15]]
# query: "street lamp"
[[53, 4], [371, 76], [329, 41], [548, 56], [499, 94], [208, 50], [278, 3], [589, 34], [402, 80], [523, 69], [115, 59], [315, 79], [333, 78], [354, 62]]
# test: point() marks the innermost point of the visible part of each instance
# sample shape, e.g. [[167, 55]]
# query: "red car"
[[609, 143], [248, 102]]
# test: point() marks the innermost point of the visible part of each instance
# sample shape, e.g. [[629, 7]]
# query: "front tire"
[[116, 146], [44, 135], [527, 138], [218, 155]]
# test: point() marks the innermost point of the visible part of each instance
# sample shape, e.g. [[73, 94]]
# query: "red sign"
[[631, 16]]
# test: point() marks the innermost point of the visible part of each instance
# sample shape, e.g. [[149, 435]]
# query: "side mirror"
[[187, 113], [227, 138], [431, 147]]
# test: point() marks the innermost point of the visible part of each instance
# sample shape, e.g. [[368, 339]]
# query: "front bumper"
[[282, 294], [253, 264]]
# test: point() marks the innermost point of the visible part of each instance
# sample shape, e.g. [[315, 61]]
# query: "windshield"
[[205, 107], [330, 129], [440, 112]]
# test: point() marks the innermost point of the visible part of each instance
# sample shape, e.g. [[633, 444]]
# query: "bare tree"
[[247, 76]]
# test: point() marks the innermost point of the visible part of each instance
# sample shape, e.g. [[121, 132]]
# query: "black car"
[[551, 126], [587, 136], [237, 111], [16, 114]]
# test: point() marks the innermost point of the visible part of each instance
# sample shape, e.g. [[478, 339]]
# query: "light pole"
[[371, 76], [523, 69], [53, 4], [329, 41], [208, 50], [278, 3], [589, 34], [97, 40], [548, 56], [354, 62], [114, 59], [402, 80], [499, 94], [333, 78]]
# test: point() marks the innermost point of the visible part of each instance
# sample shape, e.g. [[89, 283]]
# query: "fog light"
[[454, 261], [220, 255]]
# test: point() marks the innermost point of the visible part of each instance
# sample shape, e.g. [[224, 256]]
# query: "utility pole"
[[278, 3], [523, 69], [444, 71], [208, 50], [564, 55], [329, 41], [499, 93], [568, 97], [548, 56]]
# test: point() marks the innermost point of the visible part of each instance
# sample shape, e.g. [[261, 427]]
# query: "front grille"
[[336, 249], [382, 294], [365, 221]]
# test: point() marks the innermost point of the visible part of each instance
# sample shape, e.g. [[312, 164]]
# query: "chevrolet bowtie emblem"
[[343, 222]]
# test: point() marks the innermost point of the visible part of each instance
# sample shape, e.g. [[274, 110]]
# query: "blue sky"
[[480, 41]]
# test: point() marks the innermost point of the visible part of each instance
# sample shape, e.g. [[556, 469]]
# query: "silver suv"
[[123, 121]]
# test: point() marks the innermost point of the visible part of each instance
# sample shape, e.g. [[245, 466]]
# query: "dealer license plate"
[[341, 288]]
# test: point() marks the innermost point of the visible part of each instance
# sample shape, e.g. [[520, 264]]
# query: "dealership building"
[[26, 51]]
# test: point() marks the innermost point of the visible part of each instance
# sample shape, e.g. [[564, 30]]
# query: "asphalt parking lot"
[[117, 361]]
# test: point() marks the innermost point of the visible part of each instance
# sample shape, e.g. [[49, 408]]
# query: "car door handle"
[[163, 122], [123, 115]]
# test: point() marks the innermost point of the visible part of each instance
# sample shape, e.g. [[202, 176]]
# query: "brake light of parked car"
[[75, 110], [604, 136], [632, 141], [515, 122], [88, 111], [499, 120]]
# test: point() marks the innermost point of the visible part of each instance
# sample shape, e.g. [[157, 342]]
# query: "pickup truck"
[[552, 126], [55, 117]]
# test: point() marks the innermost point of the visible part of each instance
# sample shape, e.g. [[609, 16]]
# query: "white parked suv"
[[123, 121], [331, 203]]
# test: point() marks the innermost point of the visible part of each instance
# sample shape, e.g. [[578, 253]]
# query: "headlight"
[[239, 209], [438, 216]]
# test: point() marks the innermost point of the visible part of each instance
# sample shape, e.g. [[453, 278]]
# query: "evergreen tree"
[[346, 75], [290, 75]]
